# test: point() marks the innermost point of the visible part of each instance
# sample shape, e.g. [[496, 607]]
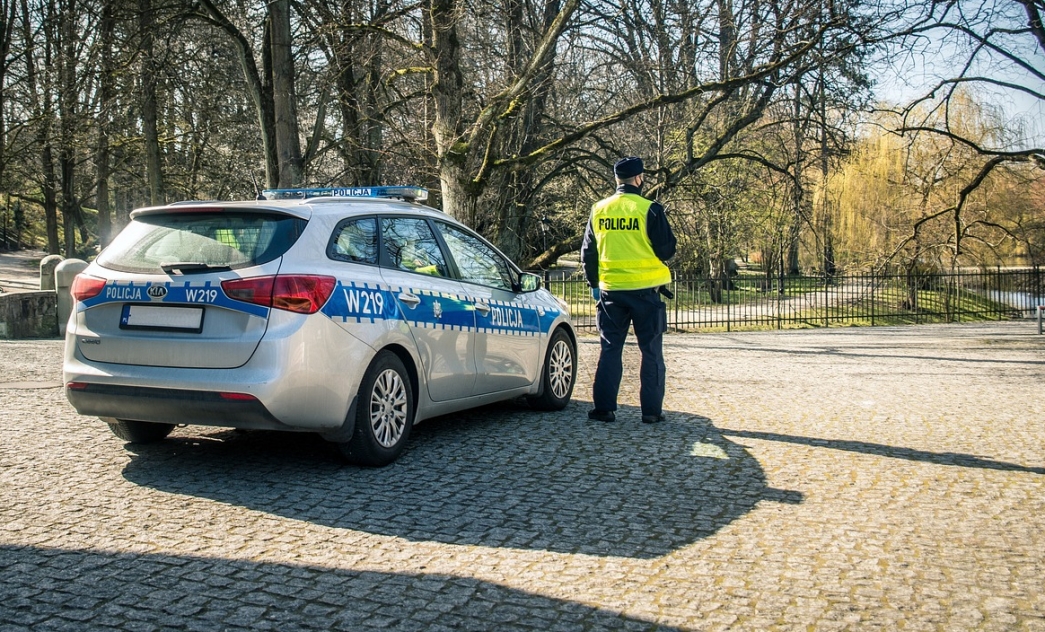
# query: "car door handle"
[[482, 308], [409, 299]]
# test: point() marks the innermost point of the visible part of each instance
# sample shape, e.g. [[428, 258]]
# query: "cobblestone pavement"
[[861, 479]]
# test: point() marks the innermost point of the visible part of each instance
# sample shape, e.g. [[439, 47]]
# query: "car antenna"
[[258, 195]]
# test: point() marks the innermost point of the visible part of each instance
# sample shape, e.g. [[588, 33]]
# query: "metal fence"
[[758, 302]]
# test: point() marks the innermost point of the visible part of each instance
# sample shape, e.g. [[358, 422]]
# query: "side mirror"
[[529, 282]]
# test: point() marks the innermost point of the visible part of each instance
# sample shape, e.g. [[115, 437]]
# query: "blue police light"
[[417, 194]]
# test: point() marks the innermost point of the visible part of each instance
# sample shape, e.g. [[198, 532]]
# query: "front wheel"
[[138, 431], [558, 374], [384, 413]]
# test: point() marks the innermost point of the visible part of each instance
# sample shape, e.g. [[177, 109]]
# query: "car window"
[[218, 239], [411, 245], [477, 261], [355, 240]]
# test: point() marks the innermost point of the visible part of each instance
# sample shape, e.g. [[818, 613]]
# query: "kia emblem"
[[156, 291]]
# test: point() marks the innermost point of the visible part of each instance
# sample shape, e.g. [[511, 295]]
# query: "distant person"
[[625, 245]]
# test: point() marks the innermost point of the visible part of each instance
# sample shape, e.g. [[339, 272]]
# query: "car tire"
[[558, 375], [384, 413], [138, 431]]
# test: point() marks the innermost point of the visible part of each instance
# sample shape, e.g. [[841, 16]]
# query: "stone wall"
[[28, 315]]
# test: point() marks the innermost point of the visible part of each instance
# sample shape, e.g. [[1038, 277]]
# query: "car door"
[[507, 336], [441, 321]]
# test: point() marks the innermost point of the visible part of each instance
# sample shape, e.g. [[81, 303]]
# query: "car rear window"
[[206, 240]]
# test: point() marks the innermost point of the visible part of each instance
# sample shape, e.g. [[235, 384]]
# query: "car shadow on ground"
[[45, 588], [499, 476]]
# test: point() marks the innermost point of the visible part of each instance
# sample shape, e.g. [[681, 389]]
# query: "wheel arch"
[[569, 332], [411, 368], [344, 433]]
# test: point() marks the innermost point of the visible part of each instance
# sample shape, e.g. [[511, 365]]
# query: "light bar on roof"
[[418, 194]]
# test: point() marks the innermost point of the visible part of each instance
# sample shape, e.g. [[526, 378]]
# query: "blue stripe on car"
[[363, 303], [186, 293]]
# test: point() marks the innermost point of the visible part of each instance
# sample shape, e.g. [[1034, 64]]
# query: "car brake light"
[[85, 287], [300, 293]]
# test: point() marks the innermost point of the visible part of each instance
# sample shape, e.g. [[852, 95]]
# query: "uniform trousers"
[[616, 311]]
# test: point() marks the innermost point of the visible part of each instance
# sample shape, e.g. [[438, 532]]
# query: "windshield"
[[189, 242]]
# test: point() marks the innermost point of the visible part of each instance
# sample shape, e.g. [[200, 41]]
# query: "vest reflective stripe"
[[626, 258]]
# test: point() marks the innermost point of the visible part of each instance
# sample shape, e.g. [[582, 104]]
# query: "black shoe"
[[601, 415], [652, 419]]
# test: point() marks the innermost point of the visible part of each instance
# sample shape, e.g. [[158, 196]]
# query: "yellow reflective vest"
[[626, 258]]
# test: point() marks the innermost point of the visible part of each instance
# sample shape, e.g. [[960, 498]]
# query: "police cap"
[[627, 167]]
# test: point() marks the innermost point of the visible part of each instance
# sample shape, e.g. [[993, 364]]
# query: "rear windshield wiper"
[[188, 267]]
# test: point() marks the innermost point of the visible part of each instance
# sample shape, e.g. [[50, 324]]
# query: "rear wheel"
[[138, 431], [384, 413], [558, 375]]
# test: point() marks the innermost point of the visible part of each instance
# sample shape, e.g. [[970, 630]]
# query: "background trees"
[[966, 151], [746, 112]]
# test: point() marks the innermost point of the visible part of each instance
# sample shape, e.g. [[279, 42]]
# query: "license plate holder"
[[162, 318]]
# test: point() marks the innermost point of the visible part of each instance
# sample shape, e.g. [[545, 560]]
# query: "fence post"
[[725, 295], [874, 286], [1037, 283], [675, 289], [997, 292], [827, 303]]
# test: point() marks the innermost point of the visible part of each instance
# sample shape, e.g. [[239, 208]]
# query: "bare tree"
[[149, 104], [8, 24], [106, 98], [39, 40], [996, 47], [259, 85]]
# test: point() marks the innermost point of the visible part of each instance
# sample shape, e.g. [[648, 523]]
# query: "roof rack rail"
[[191, 202], [409, 193]]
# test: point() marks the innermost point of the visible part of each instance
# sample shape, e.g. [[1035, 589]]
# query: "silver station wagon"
[[352, 313]]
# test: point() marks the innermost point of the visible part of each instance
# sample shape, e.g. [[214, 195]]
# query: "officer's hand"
[[595, 294]]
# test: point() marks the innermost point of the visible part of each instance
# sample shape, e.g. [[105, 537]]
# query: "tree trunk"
[[50, 197], [44, 112], [797, 192], [7, 25], [448, 101], [149, 106], [516, 190], [260, 91], [358, 61], [67, 113], [288, 143], [104, 122], [371, 156]]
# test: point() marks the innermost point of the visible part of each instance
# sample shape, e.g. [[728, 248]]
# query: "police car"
[[352, 313]]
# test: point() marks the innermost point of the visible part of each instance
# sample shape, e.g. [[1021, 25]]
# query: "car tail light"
[[85, 287], [301, 293]]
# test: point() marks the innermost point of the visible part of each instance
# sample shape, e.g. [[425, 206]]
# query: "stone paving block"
[[844, 479]]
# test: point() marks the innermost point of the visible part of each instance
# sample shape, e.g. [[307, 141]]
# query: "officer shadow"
[[499, 476]]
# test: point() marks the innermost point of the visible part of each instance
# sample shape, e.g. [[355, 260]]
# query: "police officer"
[[625, 245]]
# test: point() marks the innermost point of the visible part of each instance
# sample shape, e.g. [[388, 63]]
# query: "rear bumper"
[[174, 406], [300, 377]]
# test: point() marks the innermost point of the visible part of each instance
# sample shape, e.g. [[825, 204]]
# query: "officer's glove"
[[595, 294]]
